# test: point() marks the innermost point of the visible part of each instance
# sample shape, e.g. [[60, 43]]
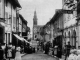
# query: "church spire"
[[35, 18]]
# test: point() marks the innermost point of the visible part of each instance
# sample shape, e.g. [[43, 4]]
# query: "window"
[[10, 19], [6, 16], [14, 20], [5, 36], [9, 37]]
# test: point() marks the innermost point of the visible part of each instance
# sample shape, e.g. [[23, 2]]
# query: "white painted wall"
[[9, 24]]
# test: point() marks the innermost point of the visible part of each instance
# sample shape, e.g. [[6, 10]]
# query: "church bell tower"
[[35, 25]]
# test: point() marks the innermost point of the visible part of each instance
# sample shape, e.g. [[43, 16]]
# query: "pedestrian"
[[46, 48], [78, 55], [13, 52], [72, 55], [68, 47], [55, 51], [6, 51], [3, 48], [18, 54], [59, 53], [9, 52], [1, 53]]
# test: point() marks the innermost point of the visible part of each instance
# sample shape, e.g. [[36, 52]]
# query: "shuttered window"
[[10, 19], [6, 16]]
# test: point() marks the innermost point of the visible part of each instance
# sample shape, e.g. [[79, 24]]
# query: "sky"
[[45, 10]]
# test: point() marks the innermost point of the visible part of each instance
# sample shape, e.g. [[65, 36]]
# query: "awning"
[[18, 37], [27, 41], [21, 38]]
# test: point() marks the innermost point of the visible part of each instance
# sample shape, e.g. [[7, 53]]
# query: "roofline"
[[16, 2], [22, 18]]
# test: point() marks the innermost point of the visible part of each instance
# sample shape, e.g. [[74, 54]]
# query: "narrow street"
[[37, 56]]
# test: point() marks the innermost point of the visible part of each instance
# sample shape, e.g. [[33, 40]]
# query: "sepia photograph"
[[39, 30]]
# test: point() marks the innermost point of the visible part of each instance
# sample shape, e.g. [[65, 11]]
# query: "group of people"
[[29, 49], [10, 52], [74, 54], [46, 47]]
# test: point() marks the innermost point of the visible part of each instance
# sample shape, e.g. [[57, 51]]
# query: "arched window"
[[65, 35], [74, 38], [69, 34]]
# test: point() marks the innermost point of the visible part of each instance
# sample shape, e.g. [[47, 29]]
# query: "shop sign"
[[68, 11]]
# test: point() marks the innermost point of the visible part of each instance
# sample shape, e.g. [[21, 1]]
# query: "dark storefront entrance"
[[1, 34], [58, 41]]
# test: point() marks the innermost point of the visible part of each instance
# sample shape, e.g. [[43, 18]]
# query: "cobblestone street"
[[37, 56]]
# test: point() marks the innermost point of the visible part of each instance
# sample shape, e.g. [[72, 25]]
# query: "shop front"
[[2, 32]]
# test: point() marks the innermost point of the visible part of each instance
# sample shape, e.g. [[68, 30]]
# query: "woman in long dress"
[[73, 55], [18, 55]]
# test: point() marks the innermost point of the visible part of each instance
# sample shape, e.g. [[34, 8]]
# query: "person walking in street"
[[73, 55], [9, 52], [68, 47], [1, 53], [18, 54], [59, 52], [6, 51], [47, 48], [13, 52], [78, 55], [55, 51]]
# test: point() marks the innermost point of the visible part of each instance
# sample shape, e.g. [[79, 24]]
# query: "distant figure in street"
[[6, 51], [55, 50], [1, 53], [73, 55], [18, 54], [47, 46], [9, 52], [68, 47], [78, 55], [13, 52], [59, 52]]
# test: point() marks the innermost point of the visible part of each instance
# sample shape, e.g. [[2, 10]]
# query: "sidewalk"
[[21, 56], [63, 57]]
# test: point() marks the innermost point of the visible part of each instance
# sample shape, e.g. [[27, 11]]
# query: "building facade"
[[78, 22], [70, 28], [36, 28], [2, 21], [8, 15], [23, 28]]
